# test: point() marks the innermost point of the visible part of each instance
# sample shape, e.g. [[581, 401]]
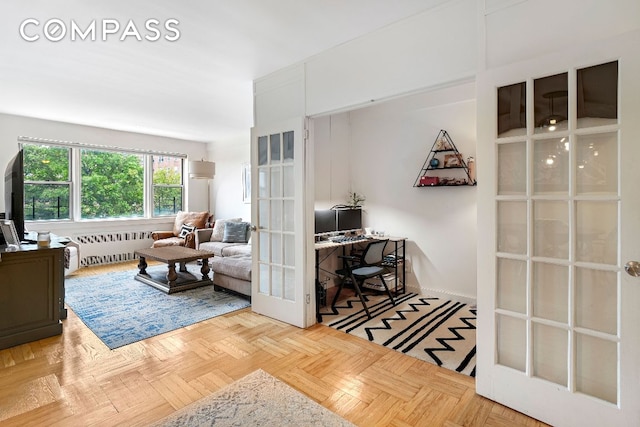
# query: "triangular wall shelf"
[[445, 166]]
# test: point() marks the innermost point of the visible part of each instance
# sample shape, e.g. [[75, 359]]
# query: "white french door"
[[279, 275], [558, 318]]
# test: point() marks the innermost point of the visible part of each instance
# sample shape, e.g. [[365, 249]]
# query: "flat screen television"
[[325, 221], [14, 193], [349, 219]]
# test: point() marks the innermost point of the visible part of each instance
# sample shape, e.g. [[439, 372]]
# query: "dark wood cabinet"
[[31, 294]]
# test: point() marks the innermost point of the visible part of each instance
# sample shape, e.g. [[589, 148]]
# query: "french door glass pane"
[[289, 250], [263, 150], [512, 285], [276, 281], [596, 367], [289, 182], [264, 279], [264, 247], [550, 349], [275, 148], [289, 222], [550, 291], [551, 229], [597, 231], [276, 215], [597, 163], [551, 166], [512, 339], [263, 182], [288, 146], [597, 95], [596, 300], [512, 227], [263, 213], [289, 284], [512, 110], [276, 184], [512, 168], [551, 106], [276, 248]]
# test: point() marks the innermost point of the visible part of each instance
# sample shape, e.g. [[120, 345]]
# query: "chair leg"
[[384, 283], [335, 297], [356, 285]]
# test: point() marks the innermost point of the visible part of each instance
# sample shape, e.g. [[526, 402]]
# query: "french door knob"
[[632, 268]]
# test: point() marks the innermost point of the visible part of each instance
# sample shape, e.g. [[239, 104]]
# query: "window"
[[108, 183], [47, 182], [167, 185], [112, 185]]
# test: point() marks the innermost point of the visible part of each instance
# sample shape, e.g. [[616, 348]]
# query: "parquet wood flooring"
[[75, 380]]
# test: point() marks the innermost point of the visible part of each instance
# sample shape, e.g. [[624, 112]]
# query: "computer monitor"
[[349, 219], [325, 221]]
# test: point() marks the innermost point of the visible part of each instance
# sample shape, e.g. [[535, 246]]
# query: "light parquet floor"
[[75, 380]]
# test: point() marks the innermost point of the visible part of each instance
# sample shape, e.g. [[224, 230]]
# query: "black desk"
[[397, 266]]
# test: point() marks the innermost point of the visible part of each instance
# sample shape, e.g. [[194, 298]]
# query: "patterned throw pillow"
[[186, 229], [218, 228], [235, 232]]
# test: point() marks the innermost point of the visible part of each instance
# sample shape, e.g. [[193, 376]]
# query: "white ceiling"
[[198, 87]]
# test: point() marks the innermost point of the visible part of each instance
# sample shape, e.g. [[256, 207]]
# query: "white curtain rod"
[[54, 142]]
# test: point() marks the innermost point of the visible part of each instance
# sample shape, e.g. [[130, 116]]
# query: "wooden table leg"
[[142, 265], [183, 267], [205, 269], [171, 274]]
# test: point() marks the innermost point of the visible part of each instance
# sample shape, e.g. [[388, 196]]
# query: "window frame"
[[75, 177]]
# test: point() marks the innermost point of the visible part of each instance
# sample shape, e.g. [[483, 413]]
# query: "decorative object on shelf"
[[444, 156], [355, 200], [429, 180], [452, 160], [472, 170]]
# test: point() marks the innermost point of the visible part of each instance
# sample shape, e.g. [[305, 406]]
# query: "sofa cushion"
[[235, 232], [238, 266], [237, 249], [194, 219], [186, 229], [218, 228], [169, 241], [225, 249]]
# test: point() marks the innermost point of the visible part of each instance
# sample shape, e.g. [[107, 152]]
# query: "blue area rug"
[[121, 310]]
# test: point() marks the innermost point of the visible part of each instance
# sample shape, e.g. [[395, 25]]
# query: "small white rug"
[[427, 328], [257, 399]]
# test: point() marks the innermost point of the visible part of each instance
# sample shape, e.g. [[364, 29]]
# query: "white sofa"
[[71, 255], [231, 263]]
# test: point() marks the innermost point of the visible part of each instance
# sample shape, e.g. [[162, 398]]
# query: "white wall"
[[432, 48], [332, 160], [378, 151], [512, 34], [230, 156]]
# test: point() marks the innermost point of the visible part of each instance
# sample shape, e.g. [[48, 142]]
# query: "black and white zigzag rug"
[[427, 328]]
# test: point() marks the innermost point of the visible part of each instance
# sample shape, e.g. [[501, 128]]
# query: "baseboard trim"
[[443, 294]]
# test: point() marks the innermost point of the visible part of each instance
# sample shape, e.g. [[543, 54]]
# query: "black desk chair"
[[357, 269]]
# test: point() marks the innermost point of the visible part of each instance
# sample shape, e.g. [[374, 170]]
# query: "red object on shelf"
[[429, 180]]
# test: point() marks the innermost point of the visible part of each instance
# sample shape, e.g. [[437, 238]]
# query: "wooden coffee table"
[[174, 281]]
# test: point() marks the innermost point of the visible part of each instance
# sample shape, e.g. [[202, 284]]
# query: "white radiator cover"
[[112, 247]]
